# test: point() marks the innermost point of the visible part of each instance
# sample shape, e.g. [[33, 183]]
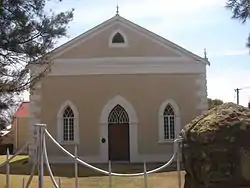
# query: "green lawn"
[[87, 177]]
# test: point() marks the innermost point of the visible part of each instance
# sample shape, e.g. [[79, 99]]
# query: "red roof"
[[23, 110]]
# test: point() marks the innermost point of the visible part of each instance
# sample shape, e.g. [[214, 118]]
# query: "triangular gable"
[[126, 23]]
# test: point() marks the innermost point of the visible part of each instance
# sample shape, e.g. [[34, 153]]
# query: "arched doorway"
[[118, 134]]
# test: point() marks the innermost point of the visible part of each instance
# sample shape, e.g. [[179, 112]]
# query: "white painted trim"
[[60, 123], [34, 110], [139, 66], [133, 123], [125, 65], [125, 60], [177, 120], [119, 45]]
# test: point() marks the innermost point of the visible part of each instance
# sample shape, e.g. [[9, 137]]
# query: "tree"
[[27, 33], [214, 102], [241, 11]]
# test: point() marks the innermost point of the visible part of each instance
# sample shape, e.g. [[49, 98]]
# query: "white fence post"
[[59, 183], [145, 175], [41, 136], [178, 164], [23, 182], [110, 176], [76, 168], [7, 169]]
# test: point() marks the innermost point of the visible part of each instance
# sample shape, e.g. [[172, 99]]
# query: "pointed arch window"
[[67, 127], [118, 115], [169, 121], [118, 38], [68, 124]]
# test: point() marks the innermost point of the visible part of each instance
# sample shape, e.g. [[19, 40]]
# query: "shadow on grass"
[[23, 167]]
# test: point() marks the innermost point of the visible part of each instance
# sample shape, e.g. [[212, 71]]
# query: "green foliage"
[[241, 11], [214, 102], [27, 33]]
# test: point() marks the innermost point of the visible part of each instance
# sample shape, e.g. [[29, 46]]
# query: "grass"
[[88, 178]]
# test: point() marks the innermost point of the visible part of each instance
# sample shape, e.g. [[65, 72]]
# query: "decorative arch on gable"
[[169, 121], [118, 39], [68, 123]]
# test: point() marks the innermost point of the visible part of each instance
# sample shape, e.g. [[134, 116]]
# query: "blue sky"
[[193, 24]]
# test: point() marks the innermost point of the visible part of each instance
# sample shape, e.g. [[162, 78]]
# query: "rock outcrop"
[[216, 148]]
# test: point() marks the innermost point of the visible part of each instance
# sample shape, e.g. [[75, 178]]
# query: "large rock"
[[216, 148]]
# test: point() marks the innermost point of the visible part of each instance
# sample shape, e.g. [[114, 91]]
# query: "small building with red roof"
[[23, 110], [20, 127]]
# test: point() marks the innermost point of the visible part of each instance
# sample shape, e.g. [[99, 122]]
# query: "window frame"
[[116, 116], [118, 34], [67, 125], [118, 45], [60, 124], [161, 117]]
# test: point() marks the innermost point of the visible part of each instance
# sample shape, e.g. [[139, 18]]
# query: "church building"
[[119, 92]]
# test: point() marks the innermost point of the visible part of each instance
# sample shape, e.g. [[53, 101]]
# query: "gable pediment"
[[138, 42]]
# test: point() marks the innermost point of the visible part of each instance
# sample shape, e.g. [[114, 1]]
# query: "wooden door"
[[119, 142]]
